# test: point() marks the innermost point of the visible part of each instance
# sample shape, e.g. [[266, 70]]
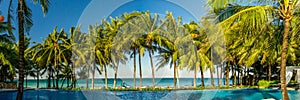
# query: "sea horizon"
[[146, 82]]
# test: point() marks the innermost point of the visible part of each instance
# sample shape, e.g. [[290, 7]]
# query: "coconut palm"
[[206, 39], [115, 57], [24, 24], [178, 49], [52, 52], [143, 26], [284, 9], [74, 44], [136, 47]]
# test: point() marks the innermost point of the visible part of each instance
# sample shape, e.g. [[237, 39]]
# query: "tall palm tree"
[[180, 50], [143, 26], [52, 52], [25, 22], [194, 30], [115, 57], [74, 44], [284, 10]]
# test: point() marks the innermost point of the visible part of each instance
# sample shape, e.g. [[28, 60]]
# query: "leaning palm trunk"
[[152, 69], [202, 77], [21, 48], [116, 73], [283, 59], [212, 77], [140, 67]]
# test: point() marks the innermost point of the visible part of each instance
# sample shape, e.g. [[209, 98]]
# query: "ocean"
[[162, 82]]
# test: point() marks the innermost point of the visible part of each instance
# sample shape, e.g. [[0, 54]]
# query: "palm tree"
[[74, 44], [25, 22], [194, 30], [143, 26], [52, 52], [178, 48], [284, 9], [114, 56]]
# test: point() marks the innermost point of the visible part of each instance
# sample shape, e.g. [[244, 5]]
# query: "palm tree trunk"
[[105, 75], [93, 76], [73, 72], [227, 73], [269, 72], [140, 67], [218, 75], [49, 80], [57, 77], [21, 49], [202, 77], [248, 77], [175, 79], [221, 74], [26, 79], [38, 78], [254, 77], [152, 69], [62, 84], [234, 76], [134, 68], [212, 77], [195, 77], [53, 84], [88, 76], [116, 73], [68, 81], [238, 76], [283, 58], [241, 77]]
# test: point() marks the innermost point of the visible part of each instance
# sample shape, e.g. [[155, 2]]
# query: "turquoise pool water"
[[240, 94]]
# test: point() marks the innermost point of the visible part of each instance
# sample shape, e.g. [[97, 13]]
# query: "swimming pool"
[[239, 94]]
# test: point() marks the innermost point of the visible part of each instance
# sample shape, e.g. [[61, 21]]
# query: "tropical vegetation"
[[247, 41]]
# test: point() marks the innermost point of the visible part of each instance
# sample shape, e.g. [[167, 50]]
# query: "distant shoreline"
[[124, 78]]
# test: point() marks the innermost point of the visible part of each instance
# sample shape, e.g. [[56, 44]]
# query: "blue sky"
[[68, 13]]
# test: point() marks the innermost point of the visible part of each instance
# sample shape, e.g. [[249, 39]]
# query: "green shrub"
[[263, 84], [293, 81], [274, 82]]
